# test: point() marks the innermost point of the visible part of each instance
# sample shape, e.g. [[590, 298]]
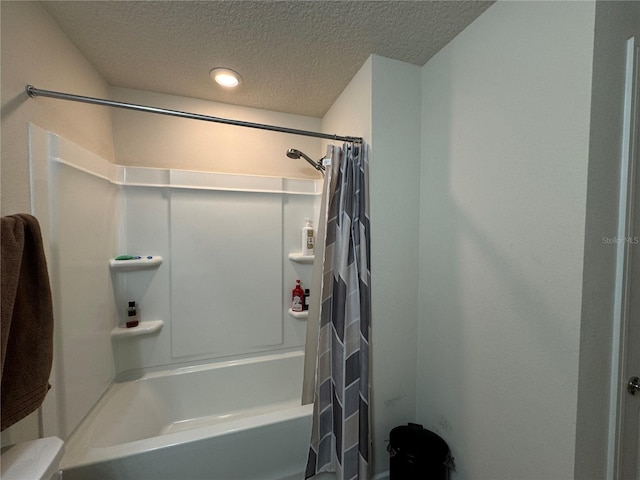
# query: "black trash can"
[[418, 454]]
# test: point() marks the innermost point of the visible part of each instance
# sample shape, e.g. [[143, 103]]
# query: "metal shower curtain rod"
[[36, 92]]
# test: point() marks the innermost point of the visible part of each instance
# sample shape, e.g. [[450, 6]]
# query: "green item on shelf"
[[126, 257]]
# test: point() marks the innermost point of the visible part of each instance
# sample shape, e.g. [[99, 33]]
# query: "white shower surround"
[[132, 208]]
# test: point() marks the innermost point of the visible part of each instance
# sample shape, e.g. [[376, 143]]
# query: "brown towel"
[[27, 319]]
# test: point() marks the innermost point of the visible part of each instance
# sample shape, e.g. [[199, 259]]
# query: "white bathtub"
[[222, 421]]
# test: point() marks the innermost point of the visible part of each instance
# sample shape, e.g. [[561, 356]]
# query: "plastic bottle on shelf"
[[297, 298], [133, 317], [308, 238], [306, 300]]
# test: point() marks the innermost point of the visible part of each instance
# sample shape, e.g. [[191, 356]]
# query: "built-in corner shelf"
[[146, 327], [141, 263], [299, 315], [299, 258]]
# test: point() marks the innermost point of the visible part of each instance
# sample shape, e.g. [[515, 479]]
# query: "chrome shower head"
[[293, 153]]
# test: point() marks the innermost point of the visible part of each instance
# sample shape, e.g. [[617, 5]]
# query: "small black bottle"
[[132, 315], [306, 299]]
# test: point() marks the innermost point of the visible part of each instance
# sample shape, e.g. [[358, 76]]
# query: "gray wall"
[[35, 51], [395, 184], [505, 148]]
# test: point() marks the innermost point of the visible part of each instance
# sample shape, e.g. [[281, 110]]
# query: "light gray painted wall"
[[505, 145], [615, 22], [395, 184], [35, 51]]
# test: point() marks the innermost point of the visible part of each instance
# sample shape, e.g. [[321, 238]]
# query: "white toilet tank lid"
[[38, 459]]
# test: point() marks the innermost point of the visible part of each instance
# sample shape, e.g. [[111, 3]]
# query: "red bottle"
[[297, 298]]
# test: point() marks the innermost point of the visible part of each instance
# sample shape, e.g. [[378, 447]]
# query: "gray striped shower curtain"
[[341, 439]]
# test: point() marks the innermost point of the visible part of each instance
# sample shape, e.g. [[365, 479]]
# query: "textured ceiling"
[[294, 56]]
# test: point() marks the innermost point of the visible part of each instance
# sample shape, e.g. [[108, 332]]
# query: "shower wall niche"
[[222, 290]]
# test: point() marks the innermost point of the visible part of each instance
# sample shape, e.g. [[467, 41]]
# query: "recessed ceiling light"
[[226, 77]]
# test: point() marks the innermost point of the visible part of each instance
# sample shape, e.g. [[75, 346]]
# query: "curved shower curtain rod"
[[36, 92]]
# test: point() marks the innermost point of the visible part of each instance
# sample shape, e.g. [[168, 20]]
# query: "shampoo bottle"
[[297, 298], [306, 299], [308, 238], [132, 315]]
